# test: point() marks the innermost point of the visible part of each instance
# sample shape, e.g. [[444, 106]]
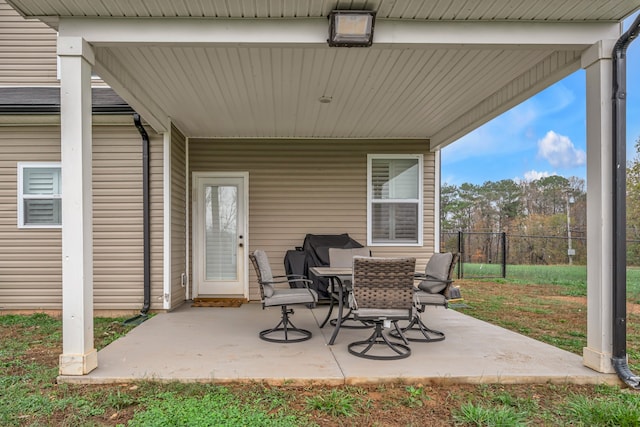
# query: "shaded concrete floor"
[[221, 345]]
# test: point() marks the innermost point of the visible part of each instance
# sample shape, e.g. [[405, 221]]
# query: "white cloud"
[[560, 152], [534, 175], [512, 132]]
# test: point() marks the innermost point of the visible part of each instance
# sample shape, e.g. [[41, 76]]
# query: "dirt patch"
[[631, 307], [43, 355], [576, 300]]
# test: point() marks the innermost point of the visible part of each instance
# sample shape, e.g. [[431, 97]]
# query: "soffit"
[[439, 10], [263, 90], [276, 92]]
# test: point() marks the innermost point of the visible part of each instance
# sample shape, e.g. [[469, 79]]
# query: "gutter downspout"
[[146, 227], [619, 288]]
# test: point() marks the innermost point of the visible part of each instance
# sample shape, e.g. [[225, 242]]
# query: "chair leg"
[[416, 324], [378, 338], [285, 327], [360, 324], [326, 319]]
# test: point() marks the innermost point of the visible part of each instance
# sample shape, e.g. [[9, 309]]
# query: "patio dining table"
[[337, 294]]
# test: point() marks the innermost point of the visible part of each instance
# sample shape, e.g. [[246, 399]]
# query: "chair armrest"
[[448, 282], [305, 285], [305, 282], [290, 276], [424, 277]]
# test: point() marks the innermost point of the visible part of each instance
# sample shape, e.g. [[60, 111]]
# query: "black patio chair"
[[382, 294], [433, 290], [285, 331]]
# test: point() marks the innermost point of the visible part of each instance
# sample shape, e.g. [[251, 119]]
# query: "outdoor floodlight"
[[351, 28]]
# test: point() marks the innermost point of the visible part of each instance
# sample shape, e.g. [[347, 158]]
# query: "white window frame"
[[32, 165], [419, 201]]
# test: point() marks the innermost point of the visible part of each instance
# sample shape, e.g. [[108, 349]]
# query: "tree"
[[548, 195], [633, 207], [534, 214], [506, 196], [467, 199], [448, 202]]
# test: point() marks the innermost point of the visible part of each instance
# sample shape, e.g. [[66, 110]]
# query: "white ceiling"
[[276, 91], [415, 82], [435, 10]]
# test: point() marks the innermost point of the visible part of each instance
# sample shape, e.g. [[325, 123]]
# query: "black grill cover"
[[315, 253]]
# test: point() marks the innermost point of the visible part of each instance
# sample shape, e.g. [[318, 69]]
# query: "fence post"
[[461, 252], [504, 255]]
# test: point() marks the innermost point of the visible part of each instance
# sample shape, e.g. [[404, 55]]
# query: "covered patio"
[[234, 89], [221, 345]]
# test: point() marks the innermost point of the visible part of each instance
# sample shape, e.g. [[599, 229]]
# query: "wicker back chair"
[[343, 257], [433, 290], [382, 294], [298, 292]]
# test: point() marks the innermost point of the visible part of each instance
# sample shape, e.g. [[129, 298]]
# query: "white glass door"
[[219, 236]]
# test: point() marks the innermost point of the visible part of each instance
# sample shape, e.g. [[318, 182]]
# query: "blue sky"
[[543, 136]]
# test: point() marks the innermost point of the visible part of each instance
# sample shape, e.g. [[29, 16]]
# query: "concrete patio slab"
[[221, 345], [473, 352]]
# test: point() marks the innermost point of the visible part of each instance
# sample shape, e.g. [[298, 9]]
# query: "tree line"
[[545, 219]]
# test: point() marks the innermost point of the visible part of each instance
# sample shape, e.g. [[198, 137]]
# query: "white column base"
[[598, 361], [78, 364]]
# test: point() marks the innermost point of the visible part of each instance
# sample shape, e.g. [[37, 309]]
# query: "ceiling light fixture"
[[351, 28]]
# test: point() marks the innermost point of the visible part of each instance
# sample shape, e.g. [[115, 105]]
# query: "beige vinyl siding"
[[178, 216], [156, 184], [27, 50], [30, 259], [118, 220], [310, 186]]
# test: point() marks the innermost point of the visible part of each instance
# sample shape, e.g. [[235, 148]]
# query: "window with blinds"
[[39, 195], [394, 185]]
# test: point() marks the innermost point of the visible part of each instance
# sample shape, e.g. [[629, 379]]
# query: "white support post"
[[79, 357], [436, 201], [167, 197], [597, 63]]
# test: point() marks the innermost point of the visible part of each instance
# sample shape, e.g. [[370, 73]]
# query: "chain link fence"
[[502, 255]]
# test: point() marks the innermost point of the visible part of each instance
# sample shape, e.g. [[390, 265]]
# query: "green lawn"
[[572, 277], [29, 395]]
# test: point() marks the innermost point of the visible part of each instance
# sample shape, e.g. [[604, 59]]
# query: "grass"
[[551, 308], [573, 278], [336, 403], [29, 395], [495, 406], [618, 410], [479, 415], [216, 407]]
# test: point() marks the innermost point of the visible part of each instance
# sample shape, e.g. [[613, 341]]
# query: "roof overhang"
[[231, 77]]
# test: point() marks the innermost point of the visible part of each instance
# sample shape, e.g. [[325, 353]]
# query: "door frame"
[[195, 251]]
